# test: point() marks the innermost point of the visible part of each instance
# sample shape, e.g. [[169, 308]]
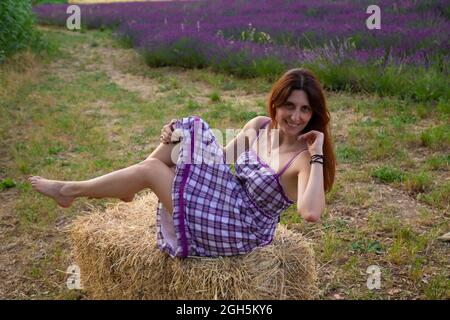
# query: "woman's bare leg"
[[167, 153], [123, 184]]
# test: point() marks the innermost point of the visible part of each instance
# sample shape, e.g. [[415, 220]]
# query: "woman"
[[205, 210]]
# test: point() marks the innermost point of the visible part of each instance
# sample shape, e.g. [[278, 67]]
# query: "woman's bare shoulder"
[[257, 122]]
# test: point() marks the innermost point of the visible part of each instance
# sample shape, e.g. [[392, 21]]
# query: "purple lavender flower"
[[217, 32]]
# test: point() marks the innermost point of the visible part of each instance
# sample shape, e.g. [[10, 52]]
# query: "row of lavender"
[[269, 35]]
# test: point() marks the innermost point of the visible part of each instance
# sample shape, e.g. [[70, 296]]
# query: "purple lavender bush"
[[408, 56]]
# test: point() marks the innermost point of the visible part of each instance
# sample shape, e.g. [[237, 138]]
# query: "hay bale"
[[117, 253]]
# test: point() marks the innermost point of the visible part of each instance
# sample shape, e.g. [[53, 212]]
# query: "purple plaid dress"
[[217, 213]]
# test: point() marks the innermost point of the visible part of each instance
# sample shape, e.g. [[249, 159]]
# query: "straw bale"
[[117, 253]]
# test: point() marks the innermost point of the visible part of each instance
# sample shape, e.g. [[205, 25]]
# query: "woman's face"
[[294, 115]]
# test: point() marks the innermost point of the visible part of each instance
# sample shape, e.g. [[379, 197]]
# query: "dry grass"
[[117, 253]]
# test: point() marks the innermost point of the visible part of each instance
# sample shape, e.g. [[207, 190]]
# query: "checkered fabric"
[[217, 213]]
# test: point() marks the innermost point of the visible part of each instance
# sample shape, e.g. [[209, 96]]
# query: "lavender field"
[[407, 57]]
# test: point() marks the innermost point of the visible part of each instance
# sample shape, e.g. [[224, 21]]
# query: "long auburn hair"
[[303, 79]]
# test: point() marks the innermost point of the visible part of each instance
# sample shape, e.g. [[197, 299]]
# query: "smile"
[[292, 125]]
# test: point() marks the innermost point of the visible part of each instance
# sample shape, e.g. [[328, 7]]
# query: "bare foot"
[[52, 189]]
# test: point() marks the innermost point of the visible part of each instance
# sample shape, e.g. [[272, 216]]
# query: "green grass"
[[438, 287], [411, 82], [7, 183], [388, 174], [438, 196], [437, 138], [440, 162], [215, 97]]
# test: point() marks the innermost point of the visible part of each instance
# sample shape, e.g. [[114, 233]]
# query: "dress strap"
[[290, 162]]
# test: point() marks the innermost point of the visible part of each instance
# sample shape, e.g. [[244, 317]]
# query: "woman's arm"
[[311, 194]]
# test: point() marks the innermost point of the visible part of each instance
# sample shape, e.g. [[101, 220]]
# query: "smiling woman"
[[206, 210], [297, 107]]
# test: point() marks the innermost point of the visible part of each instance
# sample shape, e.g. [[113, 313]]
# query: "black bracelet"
[[316, 158]]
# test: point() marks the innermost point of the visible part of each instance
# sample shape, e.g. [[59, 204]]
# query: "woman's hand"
[[166, 132], [314, 140]]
